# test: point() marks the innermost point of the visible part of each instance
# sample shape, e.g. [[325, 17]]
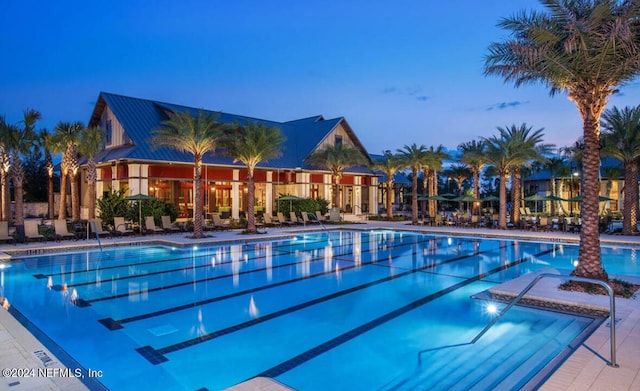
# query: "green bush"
[[113, 204], [303, 205]]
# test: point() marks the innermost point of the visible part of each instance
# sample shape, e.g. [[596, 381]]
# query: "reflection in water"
[[199, 330], [253, 309]]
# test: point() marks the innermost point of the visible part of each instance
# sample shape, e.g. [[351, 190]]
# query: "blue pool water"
[[342, 310]]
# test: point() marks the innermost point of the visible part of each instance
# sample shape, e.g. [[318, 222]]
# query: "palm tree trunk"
[[515, 195], [6, 212], [389, 200], [75, 197], [50, 194], [17, 189], [91, 189], [62, 213], [251, 217], [197, 199], [414, 198], [502, 217], [590, 261], [335, 192], [630, 198]]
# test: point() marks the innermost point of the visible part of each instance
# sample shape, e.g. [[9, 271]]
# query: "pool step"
[[494, 362]]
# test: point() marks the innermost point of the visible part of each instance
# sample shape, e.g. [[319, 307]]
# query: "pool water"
[[341, 310]]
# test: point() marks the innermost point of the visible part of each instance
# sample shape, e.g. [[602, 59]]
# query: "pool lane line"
[[113, 324], [81, 302], [156, 356], [353, 333], [71, 272]]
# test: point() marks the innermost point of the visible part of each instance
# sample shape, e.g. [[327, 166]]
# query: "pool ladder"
[[612, 313], [95, 230]]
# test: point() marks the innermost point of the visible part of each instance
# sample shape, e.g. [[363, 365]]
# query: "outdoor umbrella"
[[289, 198], [535, 198], [491, 199], [466, 198], [139, 198], [579, 199]]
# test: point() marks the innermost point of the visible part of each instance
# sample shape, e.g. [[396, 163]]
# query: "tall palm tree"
[[90, 142], [197, 136], [584, 48], [472, 155], [413, 157], [458, 172], [252, 144], [389, 165], [20, 140], [5, 165], [622, 141], [557, 167], [336, 158], [500, 155], [64, 140], [433, 161]]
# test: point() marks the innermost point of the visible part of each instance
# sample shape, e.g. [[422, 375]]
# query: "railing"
[[95, 231], [318, 220], [612, 313]]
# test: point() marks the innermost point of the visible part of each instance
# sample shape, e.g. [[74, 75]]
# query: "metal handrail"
[[612, 311], [95, 230]]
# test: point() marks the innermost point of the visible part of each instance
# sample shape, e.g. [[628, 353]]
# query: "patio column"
[[235, 195], [268, 208]]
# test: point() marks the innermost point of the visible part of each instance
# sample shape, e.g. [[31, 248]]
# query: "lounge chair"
[[4, 233], [293, 218], [218, 223], [168, 226], [62, 232], [319, 216], [150, 225], [120, 226], [306, 220], [31, 231], [282, 220], [95, 227], [268, 222]]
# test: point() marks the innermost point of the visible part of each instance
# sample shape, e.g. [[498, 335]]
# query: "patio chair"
[[61, 230], [306, 220], [268, 222], [282, 220], [218, 223], [319, 216], [4, 233], [150, 225], [95, 227], [294, 218], [120, 226], [31, 231], [168, 226]]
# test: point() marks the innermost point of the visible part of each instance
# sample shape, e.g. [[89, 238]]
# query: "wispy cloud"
[[414, 92], [506, 105]]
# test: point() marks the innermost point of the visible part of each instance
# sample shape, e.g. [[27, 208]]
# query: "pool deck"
[[583, 370]]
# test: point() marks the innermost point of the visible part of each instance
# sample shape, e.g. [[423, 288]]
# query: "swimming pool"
[[339, 310]]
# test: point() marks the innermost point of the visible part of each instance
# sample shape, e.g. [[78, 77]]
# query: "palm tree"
[[64, 140], [252, 144], [91, 141], [389, 165], [433, 161], [196, 135], [336, 158], [413, 157], [500, 156], [557, 167], [584, 48], [472, 155], [5, 165], [19, 141], [458, 172], [622, 141]]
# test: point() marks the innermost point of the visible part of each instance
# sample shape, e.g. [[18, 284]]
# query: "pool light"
[[491, 309]]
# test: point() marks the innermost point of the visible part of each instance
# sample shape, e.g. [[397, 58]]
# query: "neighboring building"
[[130, 161]]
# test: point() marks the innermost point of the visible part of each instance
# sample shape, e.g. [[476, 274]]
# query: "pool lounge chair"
[[306, 220], [282, 220], [97, 229], [61, 230], [31, 231], [168, 226], [268, 222], [218, 223], [4, 233], [120, 226], [293, 218], [150, 225]]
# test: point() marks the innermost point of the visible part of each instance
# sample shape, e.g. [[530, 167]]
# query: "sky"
[[401, 72]]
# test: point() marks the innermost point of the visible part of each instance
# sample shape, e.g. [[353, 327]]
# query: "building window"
[[108, 131], [338, 140]]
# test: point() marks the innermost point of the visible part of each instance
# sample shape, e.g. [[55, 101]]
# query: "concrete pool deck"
[[585, 369]]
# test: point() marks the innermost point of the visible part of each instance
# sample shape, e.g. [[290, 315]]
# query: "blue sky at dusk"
[[399, 72]]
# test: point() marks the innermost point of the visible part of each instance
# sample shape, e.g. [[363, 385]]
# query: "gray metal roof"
[[139, 117]]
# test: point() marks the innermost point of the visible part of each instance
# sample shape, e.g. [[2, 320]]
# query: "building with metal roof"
[[130, 161]]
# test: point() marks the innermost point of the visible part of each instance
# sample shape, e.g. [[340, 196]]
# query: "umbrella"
[[490, 199], [555, 198], [289, 198], [465, 198], [579, 199], [535, 198], [139, 198], [448, 195]]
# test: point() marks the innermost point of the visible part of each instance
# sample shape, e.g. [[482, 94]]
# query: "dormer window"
[[108, 131], [338, 140]]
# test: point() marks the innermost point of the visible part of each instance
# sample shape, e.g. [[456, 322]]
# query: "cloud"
[[408, 91], [506, 105]]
